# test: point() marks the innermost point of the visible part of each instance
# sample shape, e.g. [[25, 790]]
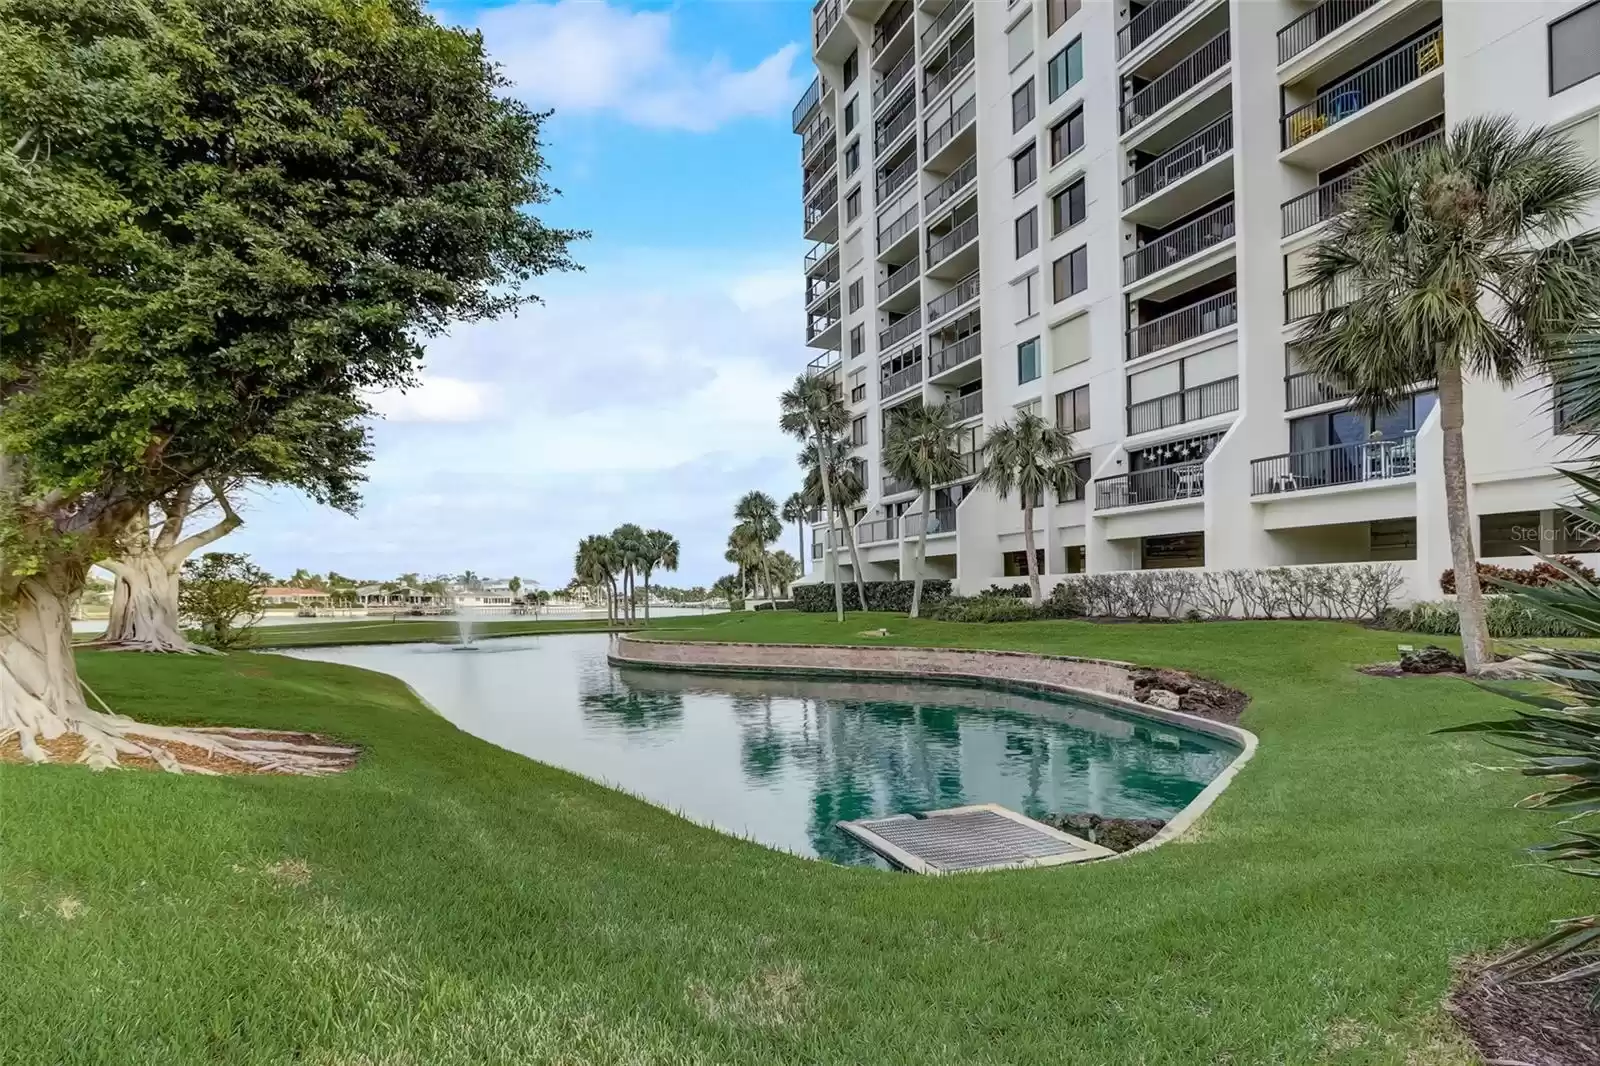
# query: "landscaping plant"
[[921, 447], [221, 595]]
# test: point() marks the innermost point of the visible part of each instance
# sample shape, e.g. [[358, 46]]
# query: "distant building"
[[394, 596], [286, 596]]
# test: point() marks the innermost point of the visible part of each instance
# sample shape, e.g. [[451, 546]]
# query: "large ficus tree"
[[223, 225]]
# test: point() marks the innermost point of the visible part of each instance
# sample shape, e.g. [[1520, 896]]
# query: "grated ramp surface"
[[986, 837]]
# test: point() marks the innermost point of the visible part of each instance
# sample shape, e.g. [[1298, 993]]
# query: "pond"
[[782, 760]]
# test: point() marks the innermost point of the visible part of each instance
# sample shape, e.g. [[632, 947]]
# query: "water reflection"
[[784, 760]]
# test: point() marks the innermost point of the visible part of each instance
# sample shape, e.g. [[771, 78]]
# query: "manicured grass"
[[449, 902], [413, 631]]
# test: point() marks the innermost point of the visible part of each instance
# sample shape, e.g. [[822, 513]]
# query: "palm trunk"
[[800, 539], [1476, 648], [1027, 547], [646, 574], [922, 555], [855, 561], [831, 560]]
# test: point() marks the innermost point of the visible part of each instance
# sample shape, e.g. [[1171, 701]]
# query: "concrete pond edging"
[[1103, 681]]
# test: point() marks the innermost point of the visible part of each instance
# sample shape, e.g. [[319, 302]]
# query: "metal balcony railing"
[[1316, 24], [1382, 77], [939, 520], [942, 248], [1322, 203], [822, 201], [894, 123], [965, 289], [1336, 464], [1307, 299], [1188, 240], [893, 78], [1307, 390], [947, 18], [897, 229], [957, 60], [808, 102], [1190, 71], [1178, 162], [958, 179], [959, 119], [1186, 323], [816, 135], [823, 318], [823, 363], [891, 183], [877, 530], [1146, 23], [821, 285], [812, 180], [1190, 405], [899, 330], [1157, 484], [897, 279], [824, 16], [964, 350], [818, 252], [892, 22], [901, 380], [968, 406]]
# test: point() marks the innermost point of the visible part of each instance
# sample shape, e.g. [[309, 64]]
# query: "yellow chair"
[[1304, 125], [1431, 55]]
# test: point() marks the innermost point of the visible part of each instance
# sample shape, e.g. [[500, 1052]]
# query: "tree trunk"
[[144, 610], [646, 574], [800, 538], [855, 561], [1476, 648], [922, 556], [830, 558], [1027, 547]]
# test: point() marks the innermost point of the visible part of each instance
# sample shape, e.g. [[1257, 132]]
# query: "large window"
[[1022, 106], [1574, 48], [852, 205], [1077, 560], [1066, 68], [1072, 409], [852, 66], [857, 294], [1019, 40], [1025, 296], [1071, 273], [1066, 136], [857, 341], [1028, 361], [1015, 564], [858, 431], [1068, 208], [852, 158], [1057, 12], [1078, 487], [1027, 232], [1024, 168], [850, 113], [1360, 427]]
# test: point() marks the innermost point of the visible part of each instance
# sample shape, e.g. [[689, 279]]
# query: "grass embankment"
[[448, 902], [415, 631]]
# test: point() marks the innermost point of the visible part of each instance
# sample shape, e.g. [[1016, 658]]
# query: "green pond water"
[[783, 760]]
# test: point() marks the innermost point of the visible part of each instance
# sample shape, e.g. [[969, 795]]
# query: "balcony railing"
[[815, 136], [891, 126], [1307, 390], [958, 179], [939, 520], [900, 330], [890, 183], [812, 180], [824, 16], [964, 350], [1190, 71], [968, 406], [823, 363], [964, 290], [808, 102], [820, 285], [822, 201], [957, 60], [954, 10], [1190, 405], [1336, 464], [1147, 22], [1179, 162], [1322, 203], [901, 380], [1316, 24], [1307, 299], [893, 78], [823, 318], [951, 126], [1157, 484], [893, 20], [898, 278], [1188, 240], [1186, 323], [878, 530], [942, 248], [818, 252], [1382, 77], [897, 229]]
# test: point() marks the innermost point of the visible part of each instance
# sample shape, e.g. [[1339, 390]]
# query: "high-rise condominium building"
[[1101, 211]]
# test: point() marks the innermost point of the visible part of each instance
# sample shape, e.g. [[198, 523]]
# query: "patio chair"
[[1431, 55], [1345, 104]]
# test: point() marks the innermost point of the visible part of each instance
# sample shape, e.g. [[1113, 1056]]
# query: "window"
[[1057, 12], [1078, 488], [1072, 409], [1068, 208], [1022, 106], [1510, 533], [852, 158], [852, 66], [1024, 169], [1027, 232], [857, 341], [1069, 342], [1574, 48], [1066, 136], [1076, 560], [1019, 40], [852, 205], [1166, 553], [858, 431], [1071, 273], [857, 294], [850, 113], [1027, 361], [1066, 68], [1025, 296], [1015, 564]]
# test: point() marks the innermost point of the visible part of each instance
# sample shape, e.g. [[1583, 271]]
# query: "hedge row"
[[1542, 574], [881, 595], [1507, 617]]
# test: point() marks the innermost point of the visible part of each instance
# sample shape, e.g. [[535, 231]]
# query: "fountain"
[[464, 629]]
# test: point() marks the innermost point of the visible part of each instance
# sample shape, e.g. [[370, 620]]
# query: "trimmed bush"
[[1015, 592], [776, 605], [881, 595], [1354, 592], [985, 609], [1507, 618], [1540, 575]]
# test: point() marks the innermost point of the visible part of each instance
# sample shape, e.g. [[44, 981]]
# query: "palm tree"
[[760, 512], [847, 489], [786, 570], [1453, 260], [629, 540], [594, 565], [746, 551], [515, 587], [921, 447], [795, 510], [660, 549], [813, 412], [1030, 457]]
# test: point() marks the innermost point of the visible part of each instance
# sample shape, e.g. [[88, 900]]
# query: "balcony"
[[1185, 242], [964, 407], [897, 280], [822, 323], [901, 380], [1190, 71], [1335, 465], [819, 133], [939, 520], [822, 284], [1147, 23], [1368, 106], [941, 71], [825, 364], [892, 80], [1308, 299], [1179, 162], [957, 353], [953, 12], [892, 182], [1192, 404], [942, 248], [1322, 203], [878, 530], [945, 132], [964, 291], [895, 19], [817, 253], [820, 205], [895, 121], [1308, 390], [1316, 24], [809, 101], [824, 17], [958, 179], [899, 330], [1157, 484], [811, 180], [903, 227], [1185, 324]]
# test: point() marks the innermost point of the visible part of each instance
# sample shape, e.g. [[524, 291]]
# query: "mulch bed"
[[1515, 1022], [68, 749]]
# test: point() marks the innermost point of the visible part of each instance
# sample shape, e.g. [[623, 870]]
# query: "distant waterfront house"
[[286, 596], [490, 594], [393, 596]]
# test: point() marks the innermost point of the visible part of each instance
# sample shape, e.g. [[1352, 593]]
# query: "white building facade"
[[1101, 209]]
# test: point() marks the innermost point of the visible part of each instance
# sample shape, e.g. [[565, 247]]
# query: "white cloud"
[[435, 399], [587, 56]]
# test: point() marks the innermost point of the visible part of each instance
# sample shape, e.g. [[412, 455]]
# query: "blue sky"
[[644, 388]]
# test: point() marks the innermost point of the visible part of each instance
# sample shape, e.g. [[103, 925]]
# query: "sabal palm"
[[594, 566], [760, 512], [629, 540], [1454, 260], [795, 510], [748, 553], [922, 447], [844, 488], [812, 411], [1030, 458], [658, 548]]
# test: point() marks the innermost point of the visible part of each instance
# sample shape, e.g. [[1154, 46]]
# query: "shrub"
[[1540, 575], [1507, 618], [985, 609], [776, 605], [1353, 592], [881, 595], [1015, 592], [221, 595]]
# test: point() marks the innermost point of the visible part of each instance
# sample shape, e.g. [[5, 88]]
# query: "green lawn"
[[449, 902]]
